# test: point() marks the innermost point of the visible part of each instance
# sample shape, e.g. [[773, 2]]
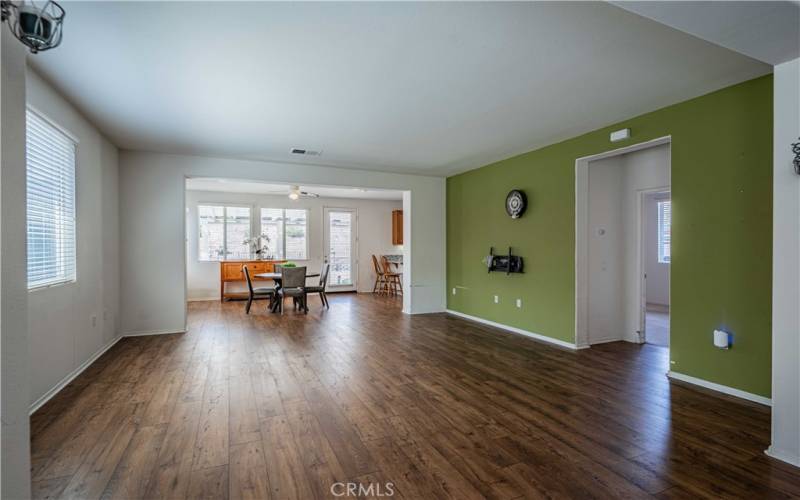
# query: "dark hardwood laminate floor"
[[264, 406]]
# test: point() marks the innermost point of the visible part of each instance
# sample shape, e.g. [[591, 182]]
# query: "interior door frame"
[[582, 231], [641, 245], [353, 242]]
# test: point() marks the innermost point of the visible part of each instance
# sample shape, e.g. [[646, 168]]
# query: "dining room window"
[[50, 168], [222, 232], [287, 230]]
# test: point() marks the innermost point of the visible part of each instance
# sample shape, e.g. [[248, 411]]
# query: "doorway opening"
[[657, 218], [233, 223], [614, 191]]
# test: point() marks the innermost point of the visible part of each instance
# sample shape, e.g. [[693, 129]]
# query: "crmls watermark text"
[[362, 490]]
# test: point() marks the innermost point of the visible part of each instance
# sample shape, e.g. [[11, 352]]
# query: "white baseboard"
[[70, 377], [720, 388], [606, 341], [513, 329], [154, 332], [783, 456]]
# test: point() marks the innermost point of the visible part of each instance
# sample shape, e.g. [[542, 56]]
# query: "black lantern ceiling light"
[[36, 24]]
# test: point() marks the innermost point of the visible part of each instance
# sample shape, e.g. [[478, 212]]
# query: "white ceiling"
[[765, 30], [430, 88], [253, 187]]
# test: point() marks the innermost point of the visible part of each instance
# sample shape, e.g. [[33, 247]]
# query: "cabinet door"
[[232, 271], [397, 227]]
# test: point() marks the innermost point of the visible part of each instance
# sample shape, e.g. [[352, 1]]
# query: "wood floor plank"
[[98, 467], [209, 484], [271, 406], [211, 446], [174, 464], [287, 475], [248, 471], [133, 473]]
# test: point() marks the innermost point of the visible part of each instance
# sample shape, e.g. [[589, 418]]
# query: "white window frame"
[[662, 259], [283, 232], [224, 226], [73, 278]]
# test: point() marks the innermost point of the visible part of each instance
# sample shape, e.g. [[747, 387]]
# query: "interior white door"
[[340, 248]]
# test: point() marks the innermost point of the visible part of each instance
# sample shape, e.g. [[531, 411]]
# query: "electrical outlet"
[[94, 320], [496, 299], [519, 303], [454, 290]]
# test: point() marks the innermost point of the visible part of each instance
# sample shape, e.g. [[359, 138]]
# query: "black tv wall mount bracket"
[[503, 263]]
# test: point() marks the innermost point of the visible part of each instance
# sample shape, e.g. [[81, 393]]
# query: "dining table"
[[278, 278]]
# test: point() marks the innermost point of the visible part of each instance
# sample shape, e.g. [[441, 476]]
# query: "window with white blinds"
[[664, 222], [50, 158]]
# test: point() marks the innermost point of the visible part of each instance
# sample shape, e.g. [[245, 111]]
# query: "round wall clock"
[[516, 202]]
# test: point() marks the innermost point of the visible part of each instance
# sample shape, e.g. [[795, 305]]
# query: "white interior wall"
[[152, 214], [62, 334], [657, 281], [615, 185], [15, 478], [786, 268], [606, 251], [374, 232]]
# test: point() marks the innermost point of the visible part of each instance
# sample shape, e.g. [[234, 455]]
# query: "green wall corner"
[[721, 272]]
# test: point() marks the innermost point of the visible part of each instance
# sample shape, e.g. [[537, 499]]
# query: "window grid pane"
[[295, 230], [287, 230], [272, 227], [237, 230], [211, 236], [50, 168]]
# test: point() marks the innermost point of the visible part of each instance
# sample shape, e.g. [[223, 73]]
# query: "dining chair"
[[293, 283], [256, 293], [393, 279], [323, 281], [379, 278]]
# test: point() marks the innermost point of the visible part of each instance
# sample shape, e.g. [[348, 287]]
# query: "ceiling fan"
[[295, 193]]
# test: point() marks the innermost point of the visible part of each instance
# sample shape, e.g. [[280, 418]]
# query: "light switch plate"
[[496, 299], [519, 303]]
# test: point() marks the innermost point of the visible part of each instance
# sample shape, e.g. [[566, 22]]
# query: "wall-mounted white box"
[[722, 339], [620, 135]]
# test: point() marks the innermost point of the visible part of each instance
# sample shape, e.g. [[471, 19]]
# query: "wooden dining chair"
[[379, 279], [293, 283], [393, 280], [266, 292], [323, 281]]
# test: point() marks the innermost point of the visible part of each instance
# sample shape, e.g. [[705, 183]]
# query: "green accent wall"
[[721, 273]]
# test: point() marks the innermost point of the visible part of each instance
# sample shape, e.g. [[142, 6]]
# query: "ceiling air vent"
[[305, 152]]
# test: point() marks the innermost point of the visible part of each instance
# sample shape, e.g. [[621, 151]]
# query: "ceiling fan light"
[[36, 26], [294, 195]]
